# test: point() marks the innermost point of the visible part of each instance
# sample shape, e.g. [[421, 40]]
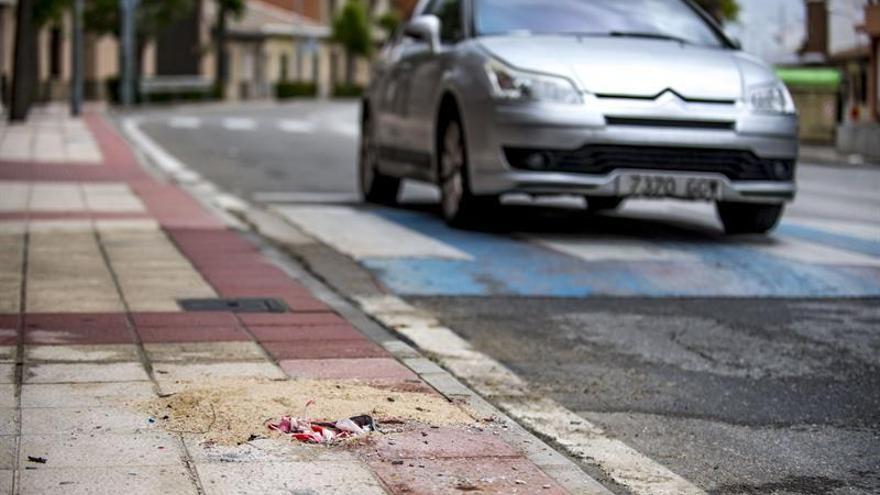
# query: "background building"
[[274, 41]]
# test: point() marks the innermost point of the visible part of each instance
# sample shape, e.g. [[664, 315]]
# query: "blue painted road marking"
[[504, 265]]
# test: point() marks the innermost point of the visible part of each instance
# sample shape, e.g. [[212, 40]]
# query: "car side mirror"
[[425, 28]]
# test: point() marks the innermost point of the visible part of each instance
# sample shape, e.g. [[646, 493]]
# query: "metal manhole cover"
[[244, 305]]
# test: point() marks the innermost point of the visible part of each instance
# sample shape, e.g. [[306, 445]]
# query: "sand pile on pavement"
[[230, 412]]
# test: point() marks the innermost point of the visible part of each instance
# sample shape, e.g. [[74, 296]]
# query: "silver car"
[[607, 99]]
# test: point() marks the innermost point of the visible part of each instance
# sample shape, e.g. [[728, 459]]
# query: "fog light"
[[536, 161], [781, 170]]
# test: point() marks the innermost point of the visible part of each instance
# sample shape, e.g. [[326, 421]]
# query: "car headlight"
[[770, 98], [516, 85]]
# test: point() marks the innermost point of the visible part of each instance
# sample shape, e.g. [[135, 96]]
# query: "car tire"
[[460, 208], [748, 218], [375, 186], [596, 204]]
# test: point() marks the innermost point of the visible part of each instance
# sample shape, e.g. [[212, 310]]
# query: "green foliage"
[[103, 16], [348, 91], [722, 10], [46, 11], [389, 21], [234, 8], [284, 90], [352, 29]]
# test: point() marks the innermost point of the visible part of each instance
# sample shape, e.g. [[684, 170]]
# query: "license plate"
[[669, 186]]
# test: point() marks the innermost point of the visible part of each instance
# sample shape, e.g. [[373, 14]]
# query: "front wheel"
[[748, 218], [460, 207], [375, 186]]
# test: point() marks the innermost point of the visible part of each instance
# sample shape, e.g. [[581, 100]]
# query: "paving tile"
[[81, 353], [205, 351], [8, 421], [85, 394], [84, 372], [194, 319], [76, 321], [8, 353], [277, 478], [7, 373], [343, 369], [192, 334], [6, 476], [82, 420], [7, 396], [7, 452], [442, 443], [340, 349], [195, 372], [139, 480], [300, 333], [508, 476], [8, 337], [152, 448], [292, 319], [263, 450]]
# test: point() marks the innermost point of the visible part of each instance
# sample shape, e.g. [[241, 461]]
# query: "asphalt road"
[[747, 365]]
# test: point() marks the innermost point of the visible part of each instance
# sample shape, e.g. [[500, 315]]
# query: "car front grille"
[[604, 159]]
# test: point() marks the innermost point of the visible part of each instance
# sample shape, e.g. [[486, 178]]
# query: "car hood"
[[633, 67]]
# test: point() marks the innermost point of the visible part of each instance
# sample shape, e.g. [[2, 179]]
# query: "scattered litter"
[[306, 430], [230, 412], [151, 420], [38, 460], [397, 463], [519, 482]]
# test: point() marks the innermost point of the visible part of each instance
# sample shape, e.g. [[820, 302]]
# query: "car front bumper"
[[494, 128]]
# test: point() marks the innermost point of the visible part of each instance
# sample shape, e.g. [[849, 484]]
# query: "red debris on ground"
[[304, 429]]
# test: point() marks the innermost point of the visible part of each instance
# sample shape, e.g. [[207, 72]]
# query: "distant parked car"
[[609, 99]]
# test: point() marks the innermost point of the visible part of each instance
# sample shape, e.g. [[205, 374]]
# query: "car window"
[[674, 19], [451, 26]]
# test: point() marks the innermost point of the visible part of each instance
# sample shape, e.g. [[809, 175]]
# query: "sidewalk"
[[107, 386]]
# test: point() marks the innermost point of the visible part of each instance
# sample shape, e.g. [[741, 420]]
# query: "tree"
[[225, 9], [103, 17], [353, 30], [389, 22], [721, 10]]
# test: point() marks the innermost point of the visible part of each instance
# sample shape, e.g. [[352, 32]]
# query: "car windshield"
[[662, 19]]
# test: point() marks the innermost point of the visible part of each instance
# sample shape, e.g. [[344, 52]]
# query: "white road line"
[[164, 160], [808, 252], [238, 124], [364, 235], [582, 439], [593, 249], [348, 130], [182, 122], [297, 126]]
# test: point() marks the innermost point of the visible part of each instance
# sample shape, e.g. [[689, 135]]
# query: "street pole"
[[76, 93], [127, 90], [23, 70], [297, 28]]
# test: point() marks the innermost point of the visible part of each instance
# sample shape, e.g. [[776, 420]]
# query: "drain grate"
[[245, 305]]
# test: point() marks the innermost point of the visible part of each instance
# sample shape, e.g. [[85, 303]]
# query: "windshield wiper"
[[646, 35]]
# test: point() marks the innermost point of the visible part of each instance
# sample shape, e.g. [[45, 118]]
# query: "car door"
[[391, 76], [422, 76]]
